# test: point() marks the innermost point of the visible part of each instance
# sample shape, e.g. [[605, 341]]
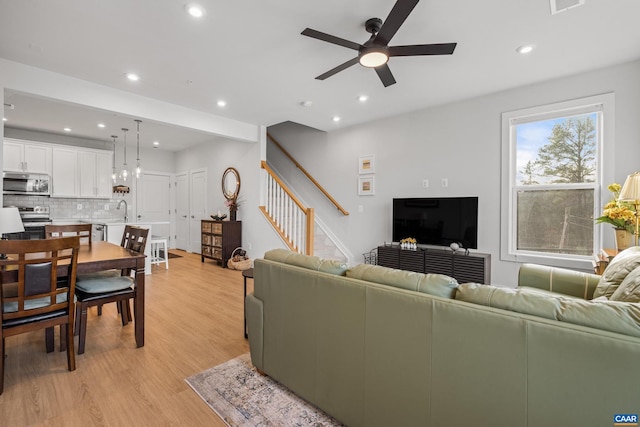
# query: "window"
[[553, 169]]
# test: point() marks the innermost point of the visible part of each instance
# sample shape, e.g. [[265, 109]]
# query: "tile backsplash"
[[62, 208]]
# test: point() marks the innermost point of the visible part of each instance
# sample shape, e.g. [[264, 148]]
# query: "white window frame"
[[604, 175]]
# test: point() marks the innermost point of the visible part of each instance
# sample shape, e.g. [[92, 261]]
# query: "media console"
[[472, 267]]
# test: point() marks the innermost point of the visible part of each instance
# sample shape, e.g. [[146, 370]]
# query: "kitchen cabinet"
[[19, 156], [64, 172], [95, 174], [81, 173]]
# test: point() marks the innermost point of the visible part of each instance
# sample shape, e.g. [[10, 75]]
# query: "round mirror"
[[230, 184]]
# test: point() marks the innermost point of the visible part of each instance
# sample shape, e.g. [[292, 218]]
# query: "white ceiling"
[[251, 54]]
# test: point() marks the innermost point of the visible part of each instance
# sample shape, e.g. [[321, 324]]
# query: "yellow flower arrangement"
[[619, 214], [408, 240]]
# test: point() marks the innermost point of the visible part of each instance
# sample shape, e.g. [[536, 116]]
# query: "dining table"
[[101, 256]]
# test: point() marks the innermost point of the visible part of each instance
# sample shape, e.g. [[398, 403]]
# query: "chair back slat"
[[83, 230], [134, 238], [44, 275]]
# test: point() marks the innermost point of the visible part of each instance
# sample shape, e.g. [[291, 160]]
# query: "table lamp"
[[10, 222], [630, 193]]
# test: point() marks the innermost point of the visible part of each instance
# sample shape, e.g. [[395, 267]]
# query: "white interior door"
[[182, 211], [198, 210], [154, 201]]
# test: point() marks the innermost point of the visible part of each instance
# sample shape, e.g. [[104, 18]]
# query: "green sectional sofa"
[[373, 346]]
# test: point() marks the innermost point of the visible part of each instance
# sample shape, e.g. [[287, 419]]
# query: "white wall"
[[459, 141]]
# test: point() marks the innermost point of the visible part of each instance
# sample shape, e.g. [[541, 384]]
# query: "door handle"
[[184, 216], [192, 216], [139, 216]]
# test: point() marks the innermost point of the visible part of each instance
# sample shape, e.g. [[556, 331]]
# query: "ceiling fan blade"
[[337, 69], [423, 49], [384, 72], [330, 39], [396, 18]]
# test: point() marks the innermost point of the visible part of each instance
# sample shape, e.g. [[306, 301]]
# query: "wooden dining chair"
[[38, 281], [96, 289], [82, 230]]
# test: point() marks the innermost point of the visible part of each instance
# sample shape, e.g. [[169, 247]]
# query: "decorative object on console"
[[630, 193], [121, 189], [124, 173], [10, 222], [409, 243], [618, 213], [219, 217], [366, 164], [138, 166], [231, 190]]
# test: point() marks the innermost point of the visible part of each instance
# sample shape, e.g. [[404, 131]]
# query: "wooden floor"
[[194, 320]]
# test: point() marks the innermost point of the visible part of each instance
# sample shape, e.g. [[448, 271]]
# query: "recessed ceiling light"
[[363, 98], [156, 143], [524, 49], [336, 118], [101, 125], [222, 103], [67, 129], [133, 77], [195, 10]]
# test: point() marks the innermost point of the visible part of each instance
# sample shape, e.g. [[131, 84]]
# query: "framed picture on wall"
[[367, 164], [366, 185]]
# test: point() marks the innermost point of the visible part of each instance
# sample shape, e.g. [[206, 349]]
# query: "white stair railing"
[[291, 219]]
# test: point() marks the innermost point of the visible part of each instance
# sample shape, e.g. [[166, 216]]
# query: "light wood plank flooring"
[[194, 321]]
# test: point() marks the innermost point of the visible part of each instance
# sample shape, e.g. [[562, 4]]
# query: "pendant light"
[[138, 167], [124, 173], [114, 174]]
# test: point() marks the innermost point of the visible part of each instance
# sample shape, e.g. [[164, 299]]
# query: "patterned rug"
[[242, 397]]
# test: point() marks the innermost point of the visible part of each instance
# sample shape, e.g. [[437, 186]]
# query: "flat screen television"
[[437, 221]]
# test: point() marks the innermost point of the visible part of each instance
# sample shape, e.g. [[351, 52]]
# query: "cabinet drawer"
[[217, 240], [216, 253], [216, 228], [206, 250], [207, 239], [206, 227]]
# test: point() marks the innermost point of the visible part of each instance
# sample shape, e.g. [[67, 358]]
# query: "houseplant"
[[620, 215]]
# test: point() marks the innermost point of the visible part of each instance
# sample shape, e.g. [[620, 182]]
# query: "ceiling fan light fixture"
[[373, 58]]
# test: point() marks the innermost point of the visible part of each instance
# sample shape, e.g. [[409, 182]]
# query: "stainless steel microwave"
[[26, 183]]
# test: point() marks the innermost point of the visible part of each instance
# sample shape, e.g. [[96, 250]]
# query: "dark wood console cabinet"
[[474, 267], [219, 239]]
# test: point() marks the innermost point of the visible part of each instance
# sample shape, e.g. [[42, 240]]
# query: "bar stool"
[[156, 243]]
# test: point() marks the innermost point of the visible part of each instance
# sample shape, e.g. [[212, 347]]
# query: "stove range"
[[34, 220]]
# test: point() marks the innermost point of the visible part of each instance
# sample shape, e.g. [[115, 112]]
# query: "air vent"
[[558, 6]]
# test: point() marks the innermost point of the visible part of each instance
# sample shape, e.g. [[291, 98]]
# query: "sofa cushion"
[[623, 264], [614, 316], [521, 300], [629, 289], [432, 284], [306, 261]]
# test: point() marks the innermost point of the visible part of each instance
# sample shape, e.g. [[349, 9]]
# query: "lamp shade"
[[631, 189], [10, 221]]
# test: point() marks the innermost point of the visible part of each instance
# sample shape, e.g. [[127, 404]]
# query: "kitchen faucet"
[[126, 209]]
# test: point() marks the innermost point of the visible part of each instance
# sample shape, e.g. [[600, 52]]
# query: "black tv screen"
[[437, 221]]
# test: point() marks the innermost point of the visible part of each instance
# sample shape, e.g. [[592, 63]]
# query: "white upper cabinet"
[[19, 156], [65, 172], [95, 174]]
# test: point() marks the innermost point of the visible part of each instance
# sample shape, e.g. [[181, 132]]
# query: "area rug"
[[243, 398]]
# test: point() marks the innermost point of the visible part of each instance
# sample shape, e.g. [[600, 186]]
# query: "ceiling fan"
[[375, 52]]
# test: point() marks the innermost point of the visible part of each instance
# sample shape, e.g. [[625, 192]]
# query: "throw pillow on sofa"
[[623, 264], [629, 289]]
